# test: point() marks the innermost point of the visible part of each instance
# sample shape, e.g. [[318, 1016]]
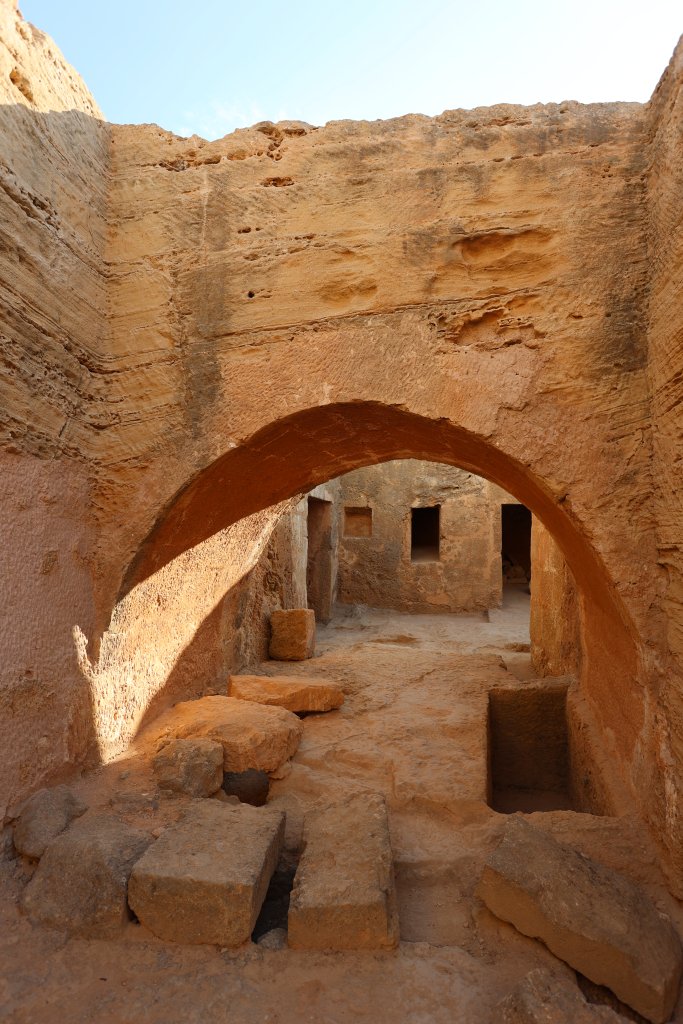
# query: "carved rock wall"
[[194, 332], [665, 359], [377, 570], [53, 182]]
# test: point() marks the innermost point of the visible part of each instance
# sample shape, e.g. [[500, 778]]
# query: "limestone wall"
[[54, 152], [377, 570], [665, 363], [198, 332]]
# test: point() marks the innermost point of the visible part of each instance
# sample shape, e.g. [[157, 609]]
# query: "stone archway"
[[294, 454]]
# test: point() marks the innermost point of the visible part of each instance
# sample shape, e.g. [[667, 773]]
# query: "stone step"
[[295, 693], [343, 896], [252, 735], [593, 918], [205, 879]]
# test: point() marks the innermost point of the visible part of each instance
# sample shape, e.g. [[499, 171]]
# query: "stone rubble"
[[343, 896], [292, 634], [292, 692], [205, 879], [252, 735], [43, 817], [594, 918], [80, 885], [191, 766]]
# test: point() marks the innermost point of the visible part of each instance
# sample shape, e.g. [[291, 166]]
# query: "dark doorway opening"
[[319, 581], [516, 543], [425, 532]]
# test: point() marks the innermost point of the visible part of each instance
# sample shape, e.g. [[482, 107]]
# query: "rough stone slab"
[[80, 884], [593, 918], [292, 635], [43, 817], [205, 879], [343, 895], [193, 766], [292, 692], [252, 735], [543, 998]]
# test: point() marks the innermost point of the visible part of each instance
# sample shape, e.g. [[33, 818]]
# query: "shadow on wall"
[[159, 650]]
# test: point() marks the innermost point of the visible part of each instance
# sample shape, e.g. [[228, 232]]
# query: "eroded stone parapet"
[[43, 817], [593, 918], [292, 634], [252, 735], [81, 882], [343, 896], [205, 879], [192, 766], [543, 998], [291, 692]]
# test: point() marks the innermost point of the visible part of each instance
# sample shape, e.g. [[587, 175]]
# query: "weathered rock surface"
[[542, 998], [193, 766], [343, 895], [81, 882], [292, 692], [252, 735], [250, 787], [204, 880], [292, 635], [43, 817], [593, 918]]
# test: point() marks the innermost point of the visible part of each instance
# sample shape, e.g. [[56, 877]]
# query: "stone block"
[[192, 766], [589, 916], [252, 735], [343, 896], [43, 817], [80, 885], [543, 998], [292, 636], [292, 692], [205, 879]]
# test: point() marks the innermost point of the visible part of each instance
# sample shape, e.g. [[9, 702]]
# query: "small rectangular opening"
[[529, 750], [357, 521], [425, 534], [515, 543]]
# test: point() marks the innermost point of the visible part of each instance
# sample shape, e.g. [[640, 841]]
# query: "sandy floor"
[[413, 727]]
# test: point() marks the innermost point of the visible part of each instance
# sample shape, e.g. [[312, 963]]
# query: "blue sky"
[[214, 66]]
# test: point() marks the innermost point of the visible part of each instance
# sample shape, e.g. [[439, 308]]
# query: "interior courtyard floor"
[[413, 728]]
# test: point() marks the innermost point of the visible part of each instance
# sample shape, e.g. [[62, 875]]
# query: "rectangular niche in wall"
[[529, 750], [425, 531], [357, 521]]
